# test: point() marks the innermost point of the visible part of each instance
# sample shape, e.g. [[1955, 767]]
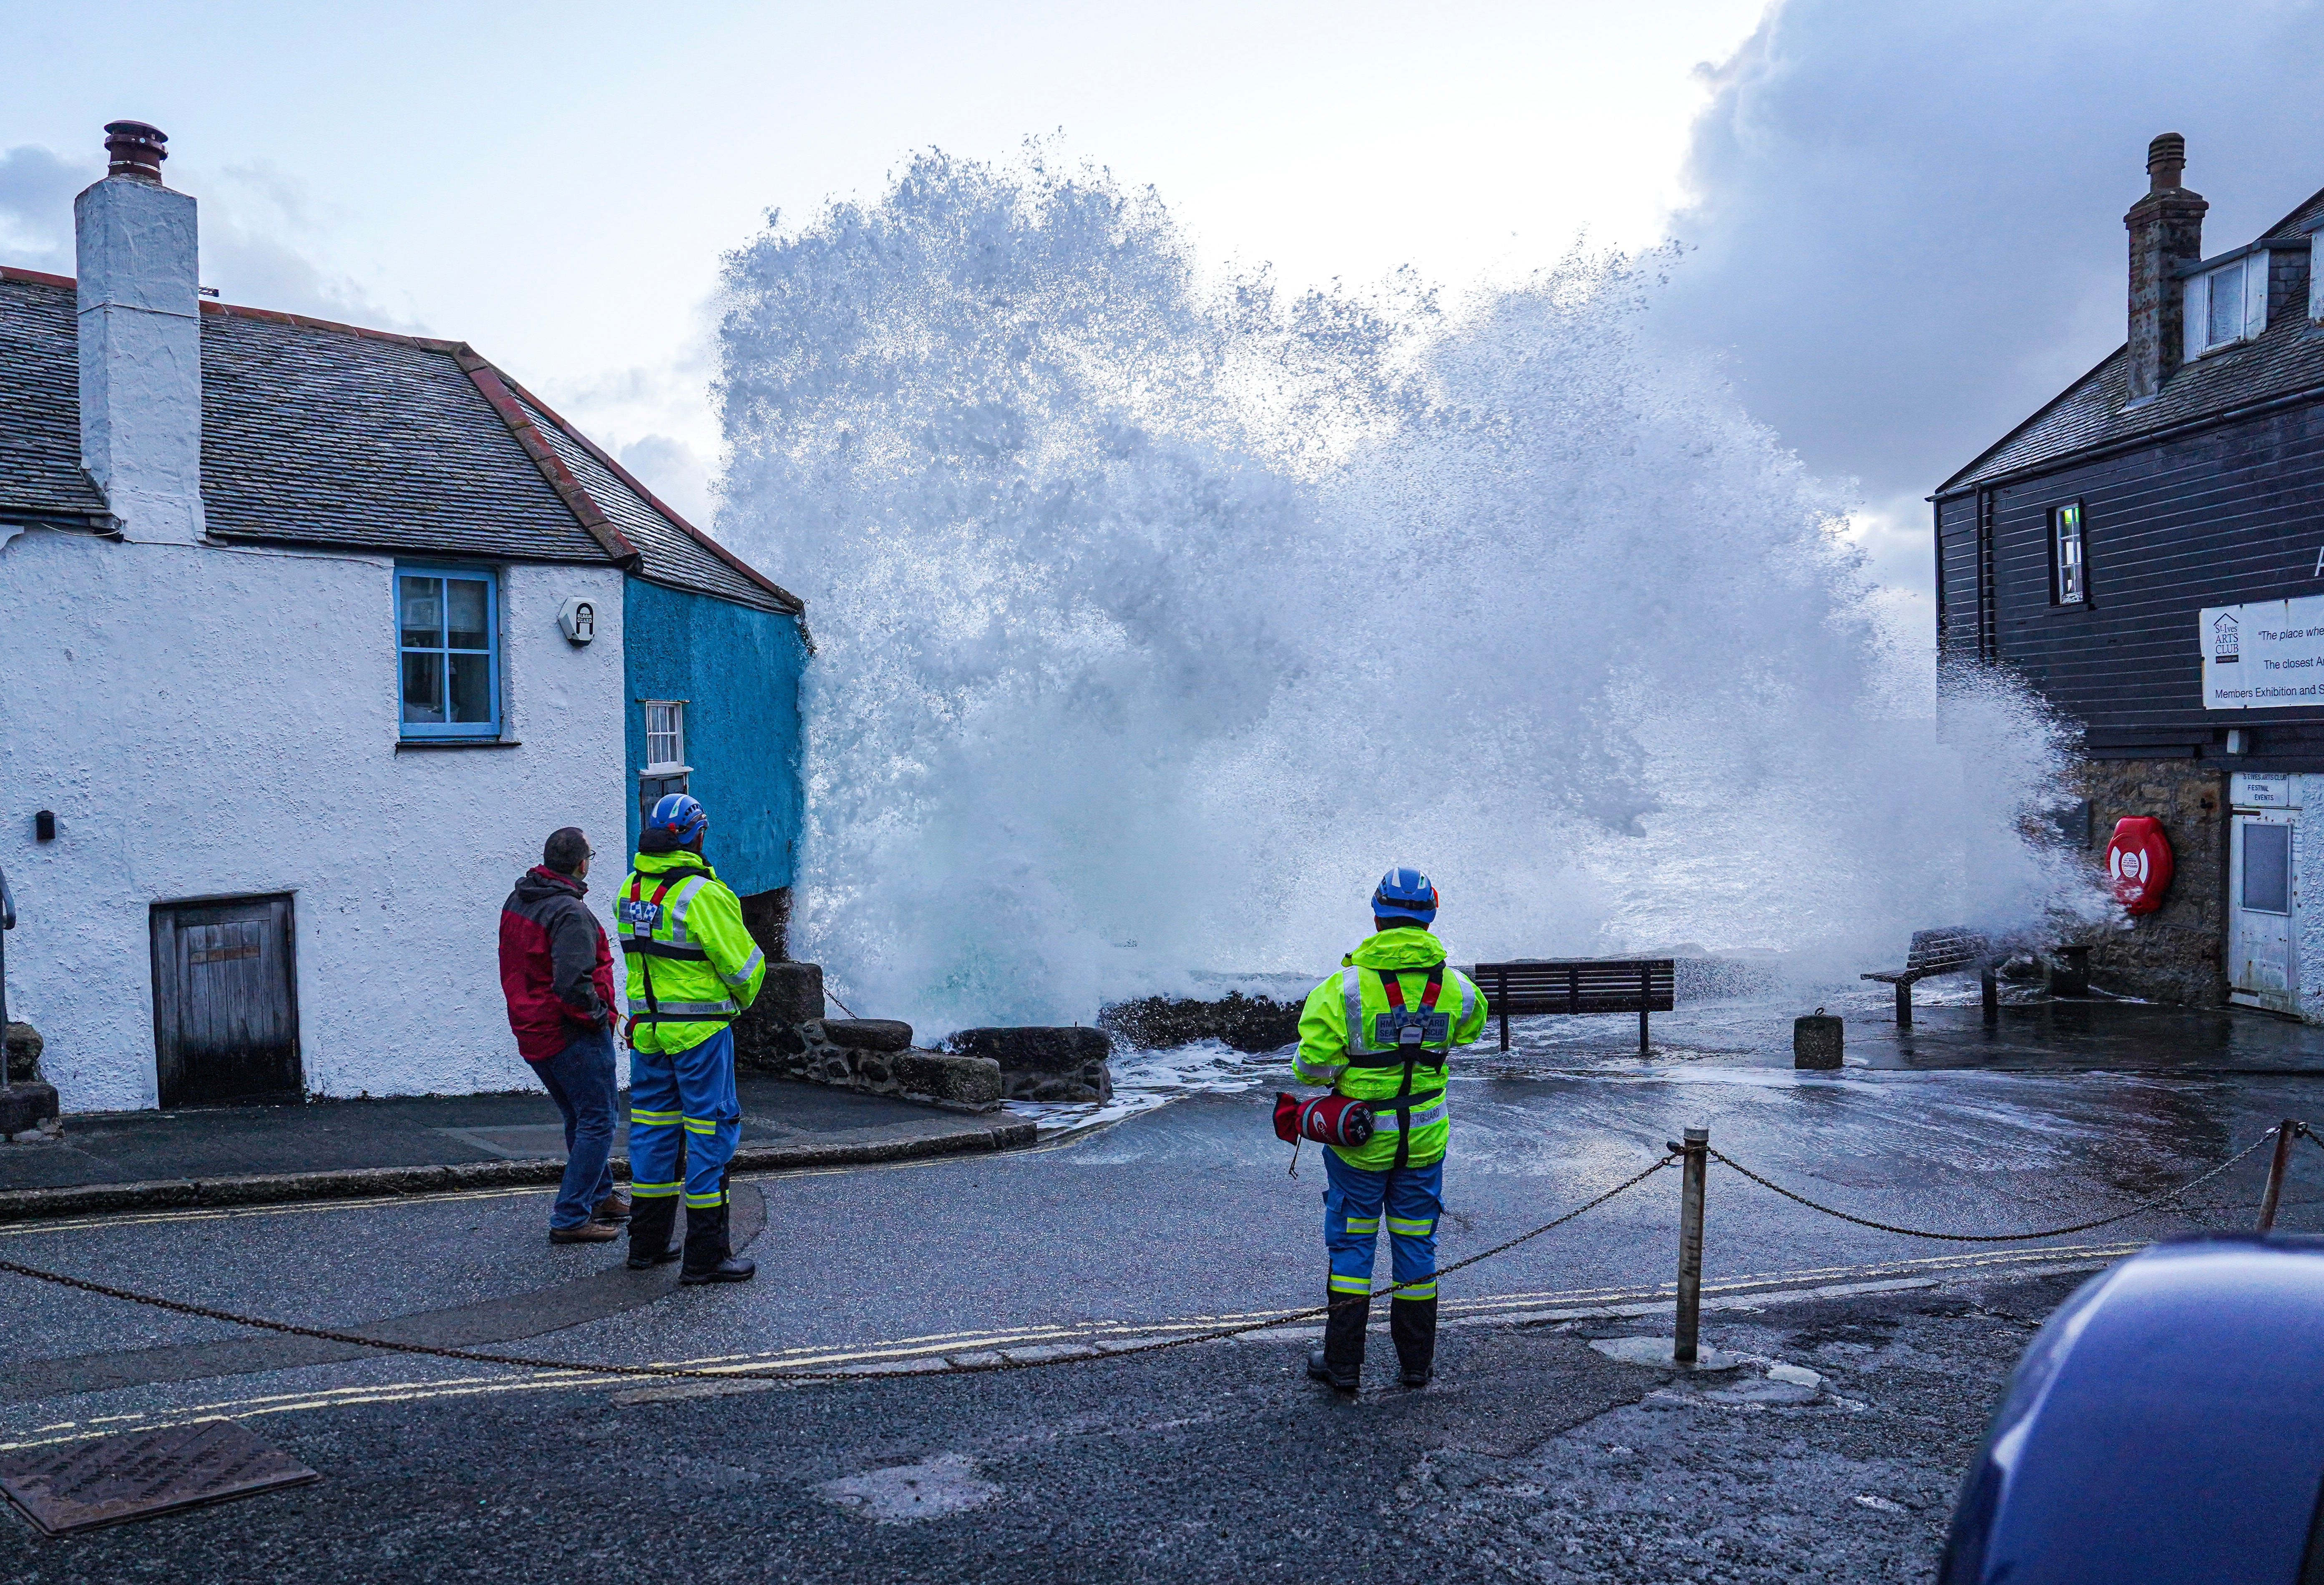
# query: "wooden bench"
[[1941, 951], [1586, 985]]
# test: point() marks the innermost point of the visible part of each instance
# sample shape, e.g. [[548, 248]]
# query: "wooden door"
[[226, 1013]]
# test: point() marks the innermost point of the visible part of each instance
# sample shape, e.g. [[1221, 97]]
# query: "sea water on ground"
[[1745, 1037]]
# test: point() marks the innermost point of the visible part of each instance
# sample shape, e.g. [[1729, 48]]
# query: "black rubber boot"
[[652, 1221], [709, 1258], [1339, 1362], [1412, 1322]]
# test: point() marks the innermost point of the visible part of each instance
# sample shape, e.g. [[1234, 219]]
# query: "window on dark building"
[[2068, 555], [2225, 305]]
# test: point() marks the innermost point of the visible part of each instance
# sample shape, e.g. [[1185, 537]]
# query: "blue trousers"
[[580, 1080], [1411, 1199], [682, 1105]]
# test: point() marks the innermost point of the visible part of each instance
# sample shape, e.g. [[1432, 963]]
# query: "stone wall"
[[2176, 953], [786, 1032]]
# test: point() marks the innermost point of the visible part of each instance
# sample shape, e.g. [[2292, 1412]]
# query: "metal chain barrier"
[[778, 1373], [2143, 1205]]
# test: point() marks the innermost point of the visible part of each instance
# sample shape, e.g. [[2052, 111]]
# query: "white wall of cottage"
[[210, 721]]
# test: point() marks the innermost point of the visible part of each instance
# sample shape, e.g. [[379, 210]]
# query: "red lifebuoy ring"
[[2138, 863]]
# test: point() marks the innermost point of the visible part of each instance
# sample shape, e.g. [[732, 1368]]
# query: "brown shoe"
[[586, 1233], [614, 1207]]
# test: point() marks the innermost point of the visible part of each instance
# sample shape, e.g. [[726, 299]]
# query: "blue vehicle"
[[2166, 1426]]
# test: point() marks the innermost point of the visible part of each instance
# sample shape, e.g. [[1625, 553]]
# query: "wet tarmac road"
[[1182, 1212]]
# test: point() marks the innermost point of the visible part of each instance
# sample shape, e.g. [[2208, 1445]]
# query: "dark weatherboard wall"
[[2222, 516], [738, 670]]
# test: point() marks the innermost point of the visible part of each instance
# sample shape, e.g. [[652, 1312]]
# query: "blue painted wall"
[[739, 672]]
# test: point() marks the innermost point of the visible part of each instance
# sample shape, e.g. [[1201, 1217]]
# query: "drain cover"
[[109, 1480]]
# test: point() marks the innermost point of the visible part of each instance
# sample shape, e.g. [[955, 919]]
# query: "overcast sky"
[[1904, 221]]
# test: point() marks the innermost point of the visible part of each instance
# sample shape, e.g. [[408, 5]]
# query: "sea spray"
[[1155, 617]]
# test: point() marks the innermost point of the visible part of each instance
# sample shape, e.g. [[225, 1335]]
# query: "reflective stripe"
[[1341, 1284], [710, 1201], [742, 977], [1351, 992], [689, 1012], [1369, 1224], [1468, 997], [1418, 1291], [1404, 1224], [1383, 1118], [677, 936], [701, 1125], [654, 1190], [654, 1119], [1316, 1072]]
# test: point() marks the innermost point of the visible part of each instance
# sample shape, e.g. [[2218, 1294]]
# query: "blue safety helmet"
[[680, 816], [1405, 894]]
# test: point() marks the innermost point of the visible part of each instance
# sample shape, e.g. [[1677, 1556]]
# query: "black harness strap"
[[645, 959], [1401, 1103]]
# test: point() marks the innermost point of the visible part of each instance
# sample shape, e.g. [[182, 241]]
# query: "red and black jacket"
[[556, 970]]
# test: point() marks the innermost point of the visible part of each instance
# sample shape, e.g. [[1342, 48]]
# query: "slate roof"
[[2284, 362], [322, 434]]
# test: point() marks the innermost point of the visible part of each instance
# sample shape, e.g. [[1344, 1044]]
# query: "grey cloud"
[[247, 213], [1906, 233]]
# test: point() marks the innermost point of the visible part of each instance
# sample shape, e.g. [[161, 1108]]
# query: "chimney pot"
[[2166, 161], [136, 149]]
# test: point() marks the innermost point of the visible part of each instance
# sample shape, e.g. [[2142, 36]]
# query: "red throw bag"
[[1329, 1119]]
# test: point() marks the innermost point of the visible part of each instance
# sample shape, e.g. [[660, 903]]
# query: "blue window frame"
[[447, 623]]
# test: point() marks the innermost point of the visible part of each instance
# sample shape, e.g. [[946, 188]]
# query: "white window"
[[665, 735], [2226, 305], [2315, 282]]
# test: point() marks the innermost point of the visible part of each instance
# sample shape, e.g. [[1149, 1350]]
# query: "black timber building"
[[2082, 550]]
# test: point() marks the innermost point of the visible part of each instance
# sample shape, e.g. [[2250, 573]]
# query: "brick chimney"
[[2166, 229], [141, 342]]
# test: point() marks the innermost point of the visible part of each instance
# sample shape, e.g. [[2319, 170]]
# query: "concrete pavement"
[[339, 1149]]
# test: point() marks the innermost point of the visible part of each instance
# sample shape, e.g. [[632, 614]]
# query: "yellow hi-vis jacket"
[[692, 966], [1342, 1044]]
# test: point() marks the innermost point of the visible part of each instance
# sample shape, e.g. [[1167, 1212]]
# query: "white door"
[[2262, 966]]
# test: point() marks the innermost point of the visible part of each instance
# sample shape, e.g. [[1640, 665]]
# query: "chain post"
[[2285, 1133], [1693, 1169]]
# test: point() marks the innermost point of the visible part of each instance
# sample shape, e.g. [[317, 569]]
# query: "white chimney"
[[141, 342]]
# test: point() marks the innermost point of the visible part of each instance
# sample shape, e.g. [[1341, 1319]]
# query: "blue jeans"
[[683, 1109], [1410, 1198], [580, 1080]]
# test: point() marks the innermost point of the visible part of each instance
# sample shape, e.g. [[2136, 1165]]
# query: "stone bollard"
[[2069, 971], [1816, 1041]]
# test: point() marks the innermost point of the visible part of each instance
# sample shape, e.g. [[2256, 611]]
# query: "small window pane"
[[466, 604], [423, 686], [2226, 321], [2267, 867], [472, 687], [423, 611], [2070, 555]]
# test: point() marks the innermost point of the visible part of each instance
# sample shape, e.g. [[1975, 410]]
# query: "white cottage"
[[289, 700]]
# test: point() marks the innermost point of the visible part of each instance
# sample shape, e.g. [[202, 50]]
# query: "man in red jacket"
[[558, 973]]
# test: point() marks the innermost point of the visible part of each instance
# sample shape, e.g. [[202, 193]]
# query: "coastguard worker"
[[1378, 1032], [692, 970]]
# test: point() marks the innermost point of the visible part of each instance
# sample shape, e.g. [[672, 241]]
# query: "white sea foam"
[[1154, 618]]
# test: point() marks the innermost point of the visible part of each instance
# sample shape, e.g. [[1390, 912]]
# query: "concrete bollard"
[[1816, 1041]]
